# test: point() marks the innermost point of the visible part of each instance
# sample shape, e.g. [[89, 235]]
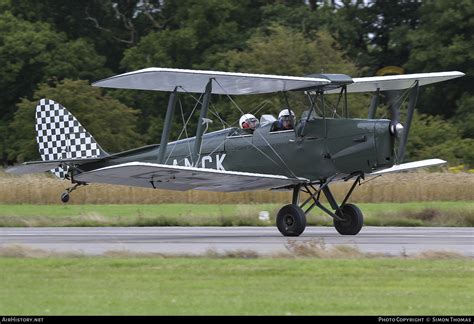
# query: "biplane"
[[319, 149]]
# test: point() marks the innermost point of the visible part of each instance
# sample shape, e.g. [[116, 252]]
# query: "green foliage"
[[464, 117], [110, 122], [33, 52], [110, 25], [218, 25], [168, 48], [442, 42], [295, 54], [432, 136], [195, 31]]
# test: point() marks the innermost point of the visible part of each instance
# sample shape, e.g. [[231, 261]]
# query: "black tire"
[[353, 220], [291, 220], [64, 197]]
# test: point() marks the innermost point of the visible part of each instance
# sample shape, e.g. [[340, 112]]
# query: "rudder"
[[61, 136]]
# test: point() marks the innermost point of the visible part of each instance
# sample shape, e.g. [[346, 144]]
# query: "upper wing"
[[397, 82], [151, 175], [164, 79], [410, 165]]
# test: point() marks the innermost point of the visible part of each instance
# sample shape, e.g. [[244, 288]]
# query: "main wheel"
[[353, 220], [291, 220]]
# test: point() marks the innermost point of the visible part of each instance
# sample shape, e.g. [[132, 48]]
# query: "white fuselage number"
[[207, 162]]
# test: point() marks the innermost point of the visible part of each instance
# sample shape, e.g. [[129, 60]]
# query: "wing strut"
[[413, 97], [167, 126], [200, 131], [374, 103]]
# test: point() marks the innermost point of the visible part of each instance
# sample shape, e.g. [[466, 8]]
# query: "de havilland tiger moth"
[[285, 153]]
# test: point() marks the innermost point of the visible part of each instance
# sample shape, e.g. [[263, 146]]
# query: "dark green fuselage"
[[316, 150]]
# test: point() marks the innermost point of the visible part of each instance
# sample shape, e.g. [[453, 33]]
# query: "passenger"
[[248, 123], [286, 121]]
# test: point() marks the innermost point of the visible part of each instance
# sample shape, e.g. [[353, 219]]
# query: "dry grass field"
[[401, 187]]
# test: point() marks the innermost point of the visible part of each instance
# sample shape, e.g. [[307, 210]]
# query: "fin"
[[60, 136]]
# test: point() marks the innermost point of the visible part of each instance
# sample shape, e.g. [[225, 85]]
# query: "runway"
[[261, 240]]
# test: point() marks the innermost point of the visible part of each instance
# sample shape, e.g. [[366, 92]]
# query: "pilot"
[[248, 123], [286, 120]]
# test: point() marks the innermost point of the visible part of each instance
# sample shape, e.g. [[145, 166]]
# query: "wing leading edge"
[[410, 166], [230, 83], [151, 175]]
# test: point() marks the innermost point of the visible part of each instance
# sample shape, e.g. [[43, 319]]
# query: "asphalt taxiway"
[[262, 240]]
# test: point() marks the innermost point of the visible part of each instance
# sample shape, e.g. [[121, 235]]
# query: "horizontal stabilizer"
[[42, 166], [173, 177], [410, 165], [225, 83]]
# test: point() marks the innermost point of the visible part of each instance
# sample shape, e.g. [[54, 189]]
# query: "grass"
[[443, 213], [185, 286]]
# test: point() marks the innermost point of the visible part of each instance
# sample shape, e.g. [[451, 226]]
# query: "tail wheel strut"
[[65, 195]]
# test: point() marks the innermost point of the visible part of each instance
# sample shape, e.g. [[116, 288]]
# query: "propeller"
[[394, 104], [396, 128]]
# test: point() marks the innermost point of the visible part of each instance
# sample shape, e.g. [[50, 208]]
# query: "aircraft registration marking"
[[207, 162]]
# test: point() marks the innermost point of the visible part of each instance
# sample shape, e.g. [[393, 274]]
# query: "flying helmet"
[[286, 113], [248, 121]]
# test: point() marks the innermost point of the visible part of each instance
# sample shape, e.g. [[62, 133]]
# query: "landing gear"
[[65, 195], [353, 220], [347, 218], [291, 220]]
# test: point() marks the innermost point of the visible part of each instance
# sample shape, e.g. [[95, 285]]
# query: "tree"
[[33, 52], [464, 117], [110, 122], [111, 25], [389, 23], [431, 136], [444, 41], [195, 31], [167, 48], [281, 50]]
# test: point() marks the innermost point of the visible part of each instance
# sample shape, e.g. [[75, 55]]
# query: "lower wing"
[[152, 175], [410, 165]]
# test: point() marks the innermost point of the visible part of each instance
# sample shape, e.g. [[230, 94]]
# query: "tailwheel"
[[65, 197], [352, 220], [291, 220]]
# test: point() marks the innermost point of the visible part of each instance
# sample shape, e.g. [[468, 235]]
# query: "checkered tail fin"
[[61, 136]]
